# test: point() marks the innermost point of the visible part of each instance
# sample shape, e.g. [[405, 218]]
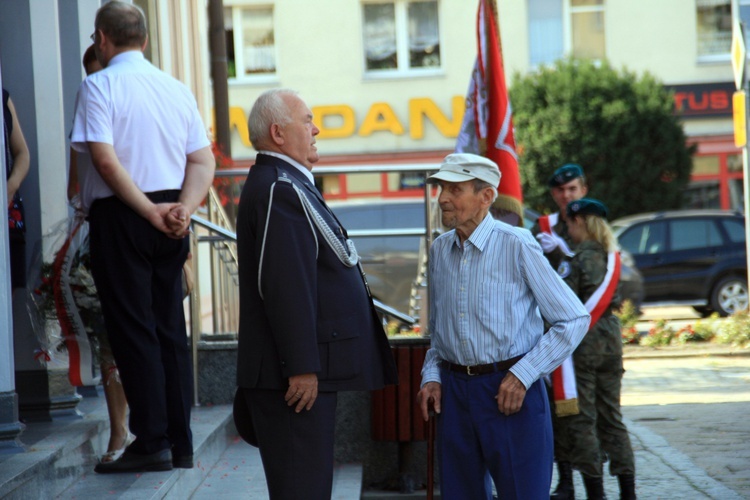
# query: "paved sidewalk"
[[687, 416], [698, 406]]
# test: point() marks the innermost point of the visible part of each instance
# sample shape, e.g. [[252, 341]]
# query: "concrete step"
[[60, 457]]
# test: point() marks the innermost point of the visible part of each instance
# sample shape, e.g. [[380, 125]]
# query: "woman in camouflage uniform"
[[598, 359]]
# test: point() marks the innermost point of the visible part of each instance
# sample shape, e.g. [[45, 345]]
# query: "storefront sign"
[[339, 121], [703, 100]]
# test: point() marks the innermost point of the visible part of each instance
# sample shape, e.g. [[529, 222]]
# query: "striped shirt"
[[487, 299]]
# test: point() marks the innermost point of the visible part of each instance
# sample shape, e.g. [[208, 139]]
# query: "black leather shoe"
[[182, 461], [132, 462]]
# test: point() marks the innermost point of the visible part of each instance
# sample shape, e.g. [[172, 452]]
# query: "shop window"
[[706, 165], [412, 180], [401, 36], [702, 195], [736, 195], [363, 183], [251, 49], [734, 163], [714, 28], [574, 27]]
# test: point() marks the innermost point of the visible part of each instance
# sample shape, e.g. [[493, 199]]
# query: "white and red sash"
[[563, 378]]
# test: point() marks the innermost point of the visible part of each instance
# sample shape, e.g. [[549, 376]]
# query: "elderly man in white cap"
[[490, 285]]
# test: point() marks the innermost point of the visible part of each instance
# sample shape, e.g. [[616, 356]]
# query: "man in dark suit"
[[307, 325]]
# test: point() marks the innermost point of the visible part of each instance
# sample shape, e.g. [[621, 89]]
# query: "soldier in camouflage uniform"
[[597, 359], [567, 184]]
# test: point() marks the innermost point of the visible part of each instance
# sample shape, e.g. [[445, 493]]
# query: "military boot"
[[627, 486], [594, 487], [564, 490]]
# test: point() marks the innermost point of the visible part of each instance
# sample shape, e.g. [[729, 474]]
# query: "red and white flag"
[[487, 127]]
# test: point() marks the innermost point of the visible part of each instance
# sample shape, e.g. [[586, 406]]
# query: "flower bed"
[[733, 330]]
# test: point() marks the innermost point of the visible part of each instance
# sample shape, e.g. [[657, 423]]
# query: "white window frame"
[[710, 58], [568, 11], [239, 61], [402, 44]]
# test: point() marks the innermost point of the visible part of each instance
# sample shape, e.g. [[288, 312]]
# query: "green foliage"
[[734, 330], [659, 335], [619, 127], [627, 314]]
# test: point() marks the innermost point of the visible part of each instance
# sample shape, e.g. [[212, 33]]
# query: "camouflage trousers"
[[597, 433]]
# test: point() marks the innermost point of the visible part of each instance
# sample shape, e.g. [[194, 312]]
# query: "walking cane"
[[431, 424]]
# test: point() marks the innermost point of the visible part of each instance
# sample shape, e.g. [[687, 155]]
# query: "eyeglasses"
[[93, 36]]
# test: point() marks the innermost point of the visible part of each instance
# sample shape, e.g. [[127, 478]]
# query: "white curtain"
[[380, 31], [423, 26]]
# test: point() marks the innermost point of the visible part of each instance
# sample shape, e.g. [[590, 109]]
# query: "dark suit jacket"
[[315, 315]]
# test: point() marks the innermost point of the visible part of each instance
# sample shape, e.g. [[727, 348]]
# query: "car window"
[[735, 229], [646, 238], [687, 234]]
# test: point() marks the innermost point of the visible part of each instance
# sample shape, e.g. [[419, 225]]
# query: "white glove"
[[547, 242]]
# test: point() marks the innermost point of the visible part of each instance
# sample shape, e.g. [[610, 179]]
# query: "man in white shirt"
[[489, 287], [152, 168]]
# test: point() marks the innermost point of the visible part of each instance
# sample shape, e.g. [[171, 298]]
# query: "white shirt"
[[150, 118], [89, 181], [486, 298]]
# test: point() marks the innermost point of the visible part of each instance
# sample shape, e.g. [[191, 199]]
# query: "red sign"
[[703, 100]]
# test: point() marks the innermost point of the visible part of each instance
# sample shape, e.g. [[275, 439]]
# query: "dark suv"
[[689, 257]]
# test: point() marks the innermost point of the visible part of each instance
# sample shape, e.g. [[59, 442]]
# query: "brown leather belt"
[[481, 369]]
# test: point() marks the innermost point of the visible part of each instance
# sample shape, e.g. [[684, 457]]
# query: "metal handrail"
[[225, 233], [348, 169]]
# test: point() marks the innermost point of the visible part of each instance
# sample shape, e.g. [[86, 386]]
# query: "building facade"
[[386, 79]]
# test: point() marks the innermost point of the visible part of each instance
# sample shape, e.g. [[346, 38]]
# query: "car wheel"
[[729, 295], [703, 311]]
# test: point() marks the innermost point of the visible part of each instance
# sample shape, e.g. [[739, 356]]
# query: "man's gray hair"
[[268, 109], [123, 23], [479, 185]]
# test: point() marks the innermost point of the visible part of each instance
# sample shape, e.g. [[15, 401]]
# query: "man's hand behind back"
[[177, 221]]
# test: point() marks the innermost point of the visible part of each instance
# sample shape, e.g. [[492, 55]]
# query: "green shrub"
[[700, 332], [734, 330], [659, 335], [627, 314]]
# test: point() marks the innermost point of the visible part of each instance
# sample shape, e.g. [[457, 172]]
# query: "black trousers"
[[296, 448], [137, 271], [17, 243]]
